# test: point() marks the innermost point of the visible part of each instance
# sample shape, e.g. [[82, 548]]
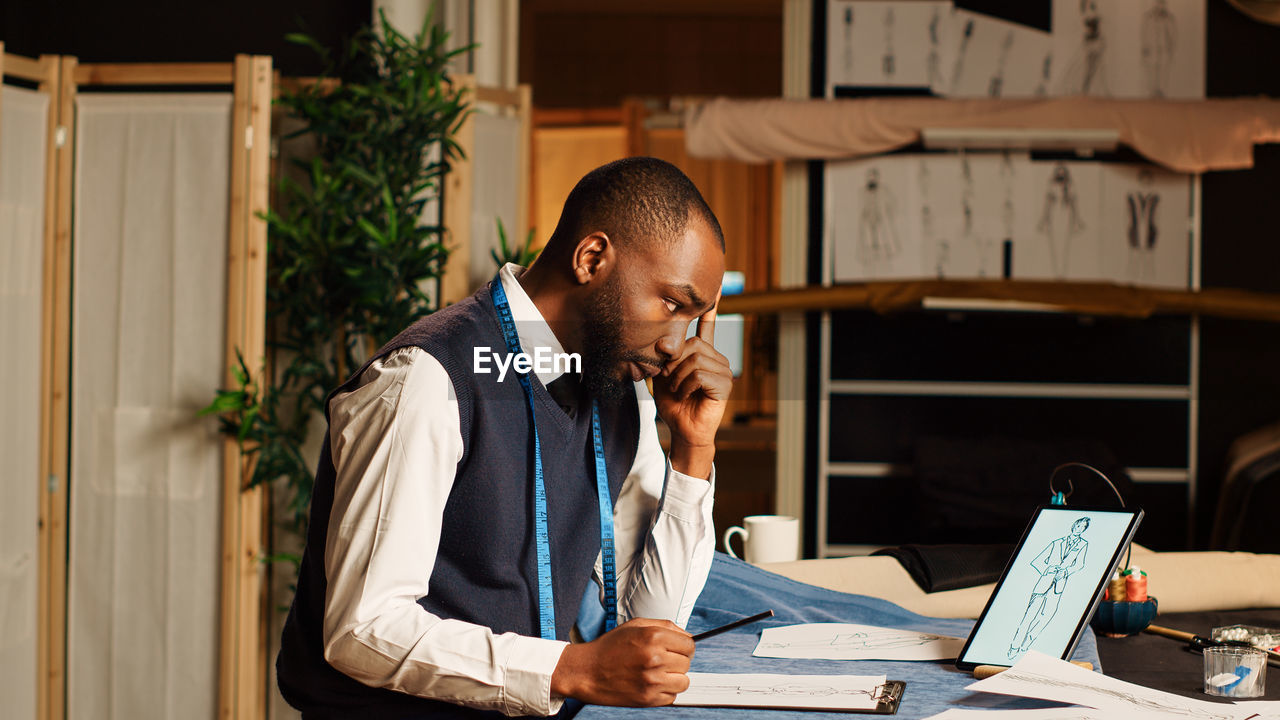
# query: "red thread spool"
[[1135, 585]]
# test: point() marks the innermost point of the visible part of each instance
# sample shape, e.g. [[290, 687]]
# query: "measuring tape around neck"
[[546, 596]]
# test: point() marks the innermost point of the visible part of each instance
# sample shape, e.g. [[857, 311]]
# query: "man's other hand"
[[641, 663]]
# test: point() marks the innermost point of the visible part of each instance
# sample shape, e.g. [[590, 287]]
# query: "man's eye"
[[672, 305]]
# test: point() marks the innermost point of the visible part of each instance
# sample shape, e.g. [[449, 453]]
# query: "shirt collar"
[[531, 328]]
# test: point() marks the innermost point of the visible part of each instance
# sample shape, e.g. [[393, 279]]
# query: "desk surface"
[[1163, 663]]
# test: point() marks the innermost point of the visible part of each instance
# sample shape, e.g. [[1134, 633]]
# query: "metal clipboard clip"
[[888, 696]]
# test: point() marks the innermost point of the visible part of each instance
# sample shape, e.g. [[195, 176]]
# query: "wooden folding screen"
[[242, 662]]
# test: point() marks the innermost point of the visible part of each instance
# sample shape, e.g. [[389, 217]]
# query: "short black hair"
[[635, 201]]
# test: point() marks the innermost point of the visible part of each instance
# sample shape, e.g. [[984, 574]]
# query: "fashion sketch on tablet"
[[1059, 560]]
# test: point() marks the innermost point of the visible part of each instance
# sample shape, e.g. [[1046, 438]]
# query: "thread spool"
[[1135, 585], [1116, 589]]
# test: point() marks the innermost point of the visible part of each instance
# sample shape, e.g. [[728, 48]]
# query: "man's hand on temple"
[[641, 663], [691, 394]]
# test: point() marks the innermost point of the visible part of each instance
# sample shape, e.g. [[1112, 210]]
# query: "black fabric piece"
[[983, 490], [950, 567]]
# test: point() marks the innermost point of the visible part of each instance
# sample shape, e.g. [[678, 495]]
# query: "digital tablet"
[[1052, 585]]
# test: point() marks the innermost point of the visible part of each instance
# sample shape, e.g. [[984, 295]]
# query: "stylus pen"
[[732, 625]]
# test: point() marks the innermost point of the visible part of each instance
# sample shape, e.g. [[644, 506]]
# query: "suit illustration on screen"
[[1059, 560]]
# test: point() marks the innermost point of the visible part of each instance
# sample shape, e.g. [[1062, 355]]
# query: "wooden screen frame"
[[51, 571], [243, 647]]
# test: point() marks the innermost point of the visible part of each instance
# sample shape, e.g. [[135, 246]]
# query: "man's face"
[[650, 297], [1078, 527]]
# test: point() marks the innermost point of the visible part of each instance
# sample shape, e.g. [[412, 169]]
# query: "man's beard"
[[602, 350]]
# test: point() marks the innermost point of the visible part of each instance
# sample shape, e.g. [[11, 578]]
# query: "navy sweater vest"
[[486, 570]]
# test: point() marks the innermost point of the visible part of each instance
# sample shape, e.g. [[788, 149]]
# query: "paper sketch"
[[1037, 675], [988, 57], [833, 692], [1085, 68], [1059, 560], [1159, 41], [879, 43], [847, 641], [1144, 226], [1060, 219], [871, 220], [1129, 48], [937, 246]]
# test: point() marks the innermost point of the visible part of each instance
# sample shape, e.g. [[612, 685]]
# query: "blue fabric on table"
[[736, 589]]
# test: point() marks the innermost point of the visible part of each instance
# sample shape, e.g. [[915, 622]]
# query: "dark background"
[[579, 53]]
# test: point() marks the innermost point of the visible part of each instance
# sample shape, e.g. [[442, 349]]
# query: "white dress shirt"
[[396, 442]]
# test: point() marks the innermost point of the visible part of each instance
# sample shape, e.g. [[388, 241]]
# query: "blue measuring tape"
[[546, 594]]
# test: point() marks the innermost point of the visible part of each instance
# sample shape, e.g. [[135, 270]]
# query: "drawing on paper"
[[1060, 218], [934, 60], [849, 692], [1008, 179], [1059, 560], [1140, 228], [848, 641], [886, 64], [1139, 701], [1046, 678], [996, 85], [1086, 74], [957, 68], [940, 250], [1159, 40], [878, 237]]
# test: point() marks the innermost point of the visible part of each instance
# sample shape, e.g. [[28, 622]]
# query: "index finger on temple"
[[707, 321]]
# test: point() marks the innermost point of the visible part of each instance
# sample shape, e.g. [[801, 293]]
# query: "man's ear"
[[592, 255]]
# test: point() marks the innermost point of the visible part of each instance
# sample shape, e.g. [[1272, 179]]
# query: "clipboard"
[[782, 694]]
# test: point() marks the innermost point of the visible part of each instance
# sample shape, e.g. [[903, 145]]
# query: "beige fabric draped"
[[148, 316], [22, 172], [1184, 136]]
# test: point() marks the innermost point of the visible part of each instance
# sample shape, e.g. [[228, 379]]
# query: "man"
[[446, 559], [1059, 560]]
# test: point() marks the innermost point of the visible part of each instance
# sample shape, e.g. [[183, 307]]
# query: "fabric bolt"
[[736, 589], [1184, 136], [152, 186], [405, 612], [23, 127]]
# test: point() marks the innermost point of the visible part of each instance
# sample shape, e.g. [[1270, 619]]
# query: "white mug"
[[767, 538]]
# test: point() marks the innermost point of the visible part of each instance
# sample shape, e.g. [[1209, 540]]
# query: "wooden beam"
[[155, 74], [498, 96], [1089, 298], [25, 68], [59, 83], [574, 117], [242, 649]]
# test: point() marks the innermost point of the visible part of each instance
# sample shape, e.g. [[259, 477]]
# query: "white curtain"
[[151, 205], [23, 124]]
